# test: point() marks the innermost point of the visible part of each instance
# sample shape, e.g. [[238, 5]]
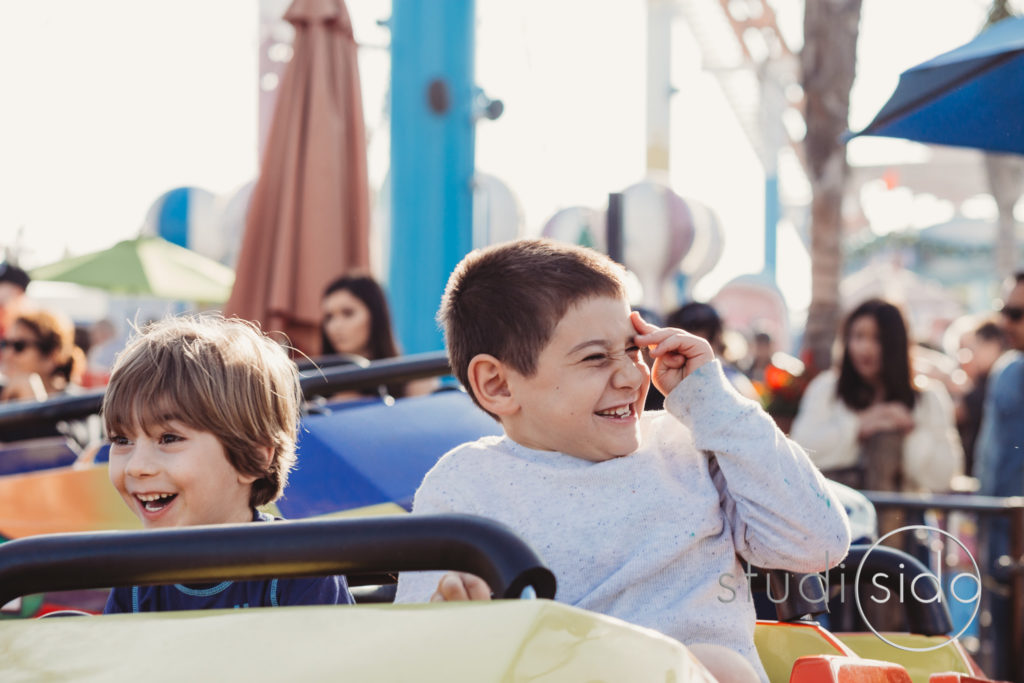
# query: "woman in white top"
[[873, 425]]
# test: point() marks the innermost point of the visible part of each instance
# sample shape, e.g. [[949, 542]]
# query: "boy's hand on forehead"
[[676, 353]]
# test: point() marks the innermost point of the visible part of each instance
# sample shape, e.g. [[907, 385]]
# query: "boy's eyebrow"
[[156, 423], [592, 342], [603, 343]]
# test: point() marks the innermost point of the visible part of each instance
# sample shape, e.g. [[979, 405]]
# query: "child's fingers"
[[668, 340], [651, 335], [676, 352], [656, 336], [662, 340], [678, 344], [449, 588], [459, 586], [641, 325], [476, 588]]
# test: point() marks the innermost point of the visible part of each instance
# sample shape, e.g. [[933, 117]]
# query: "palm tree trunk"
[[828, 62]]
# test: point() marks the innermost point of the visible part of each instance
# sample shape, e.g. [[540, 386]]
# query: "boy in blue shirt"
[[202, 415], [642, 516]]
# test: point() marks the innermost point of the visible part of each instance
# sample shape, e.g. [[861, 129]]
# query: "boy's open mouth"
[[619, 412], [154, 502]]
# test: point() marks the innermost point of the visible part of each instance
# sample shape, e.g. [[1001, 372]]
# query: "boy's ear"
[[488, 378], [264, 453]]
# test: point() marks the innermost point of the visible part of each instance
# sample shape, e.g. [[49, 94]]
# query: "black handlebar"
[[891, 568], [353, 375], [337, 373], [883, 567], [354, 547]]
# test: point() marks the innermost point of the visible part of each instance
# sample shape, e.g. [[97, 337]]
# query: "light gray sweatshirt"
[[653, 537]]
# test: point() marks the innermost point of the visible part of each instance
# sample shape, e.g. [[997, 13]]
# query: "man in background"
[[13, 300], [761, 357], [980, 348], [999, 464]]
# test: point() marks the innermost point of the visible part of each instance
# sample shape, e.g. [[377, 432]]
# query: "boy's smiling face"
[[587, 394], [178, 476]]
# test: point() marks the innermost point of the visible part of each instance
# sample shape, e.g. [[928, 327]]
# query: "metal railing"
[[321, 377]]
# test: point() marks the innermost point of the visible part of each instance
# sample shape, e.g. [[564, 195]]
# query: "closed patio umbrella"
[[308, 219]]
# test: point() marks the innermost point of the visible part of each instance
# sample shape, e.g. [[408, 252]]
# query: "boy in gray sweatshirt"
[[645, 517]]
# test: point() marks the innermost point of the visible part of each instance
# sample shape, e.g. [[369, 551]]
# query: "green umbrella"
[[146, 266]]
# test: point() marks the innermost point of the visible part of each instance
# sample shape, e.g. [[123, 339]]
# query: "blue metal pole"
[[772, 213], [432, 148]]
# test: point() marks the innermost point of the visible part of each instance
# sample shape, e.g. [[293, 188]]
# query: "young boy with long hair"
[[202, 415]]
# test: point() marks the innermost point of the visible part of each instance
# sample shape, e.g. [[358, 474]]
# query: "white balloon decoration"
[[578, 225], [708, 245], [497, 214], [657, 232]]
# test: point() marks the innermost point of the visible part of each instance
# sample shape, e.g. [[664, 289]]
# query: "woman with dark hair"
[[872, 423], [38, 357], [357, 322]]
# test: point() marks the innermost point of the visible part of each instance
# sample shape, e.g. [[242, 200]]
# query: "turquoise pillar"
[[432, 150]]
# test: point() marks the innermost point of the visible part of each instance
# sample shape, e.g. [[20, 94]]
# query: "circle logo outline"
[[977, 576]]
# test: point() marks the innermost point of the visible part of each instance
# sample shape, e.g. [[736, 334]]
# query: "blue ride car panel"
[[369, 453], [35, 454]]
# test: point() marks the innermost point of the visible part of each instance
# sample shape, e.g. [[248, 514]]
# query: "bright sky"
[[109, 103]]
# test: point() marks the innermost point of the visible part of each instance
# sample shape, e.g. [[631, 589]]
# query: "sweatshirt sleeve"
[[782, 513], [825, 426], [431, 498]]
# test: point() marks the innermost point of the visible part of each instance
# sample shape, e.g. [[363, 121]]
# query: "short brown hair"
[[55, 336], [506, 300], [217, 375]]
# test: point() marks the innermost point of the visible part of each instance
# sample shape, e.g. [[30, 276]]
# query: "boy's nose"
[[140, 462], [630, 373]]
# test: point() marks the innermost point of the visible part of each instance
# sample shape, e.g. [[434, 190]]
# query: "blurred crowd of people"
[[43, 354], [890, 415]]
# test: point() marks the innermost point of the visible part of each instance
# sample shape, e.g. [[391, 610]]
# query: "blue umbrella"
[[972, 96]]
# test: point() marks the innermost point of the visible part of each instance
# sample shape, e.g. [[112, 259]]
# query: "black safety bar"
[[801, 598], [316, 380], [895, 569], [365, 547], [326, 380]]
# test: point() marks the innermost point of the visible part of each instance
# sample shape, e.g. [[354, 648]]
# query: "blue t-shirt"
[[317, 590]]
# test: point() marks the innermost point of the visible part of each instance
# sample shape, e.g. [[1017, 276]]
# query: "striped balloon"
[[188, 217]]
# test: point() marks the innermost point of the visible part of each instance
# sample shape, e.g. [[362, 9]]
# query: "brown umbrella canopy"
[[308, 218]]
